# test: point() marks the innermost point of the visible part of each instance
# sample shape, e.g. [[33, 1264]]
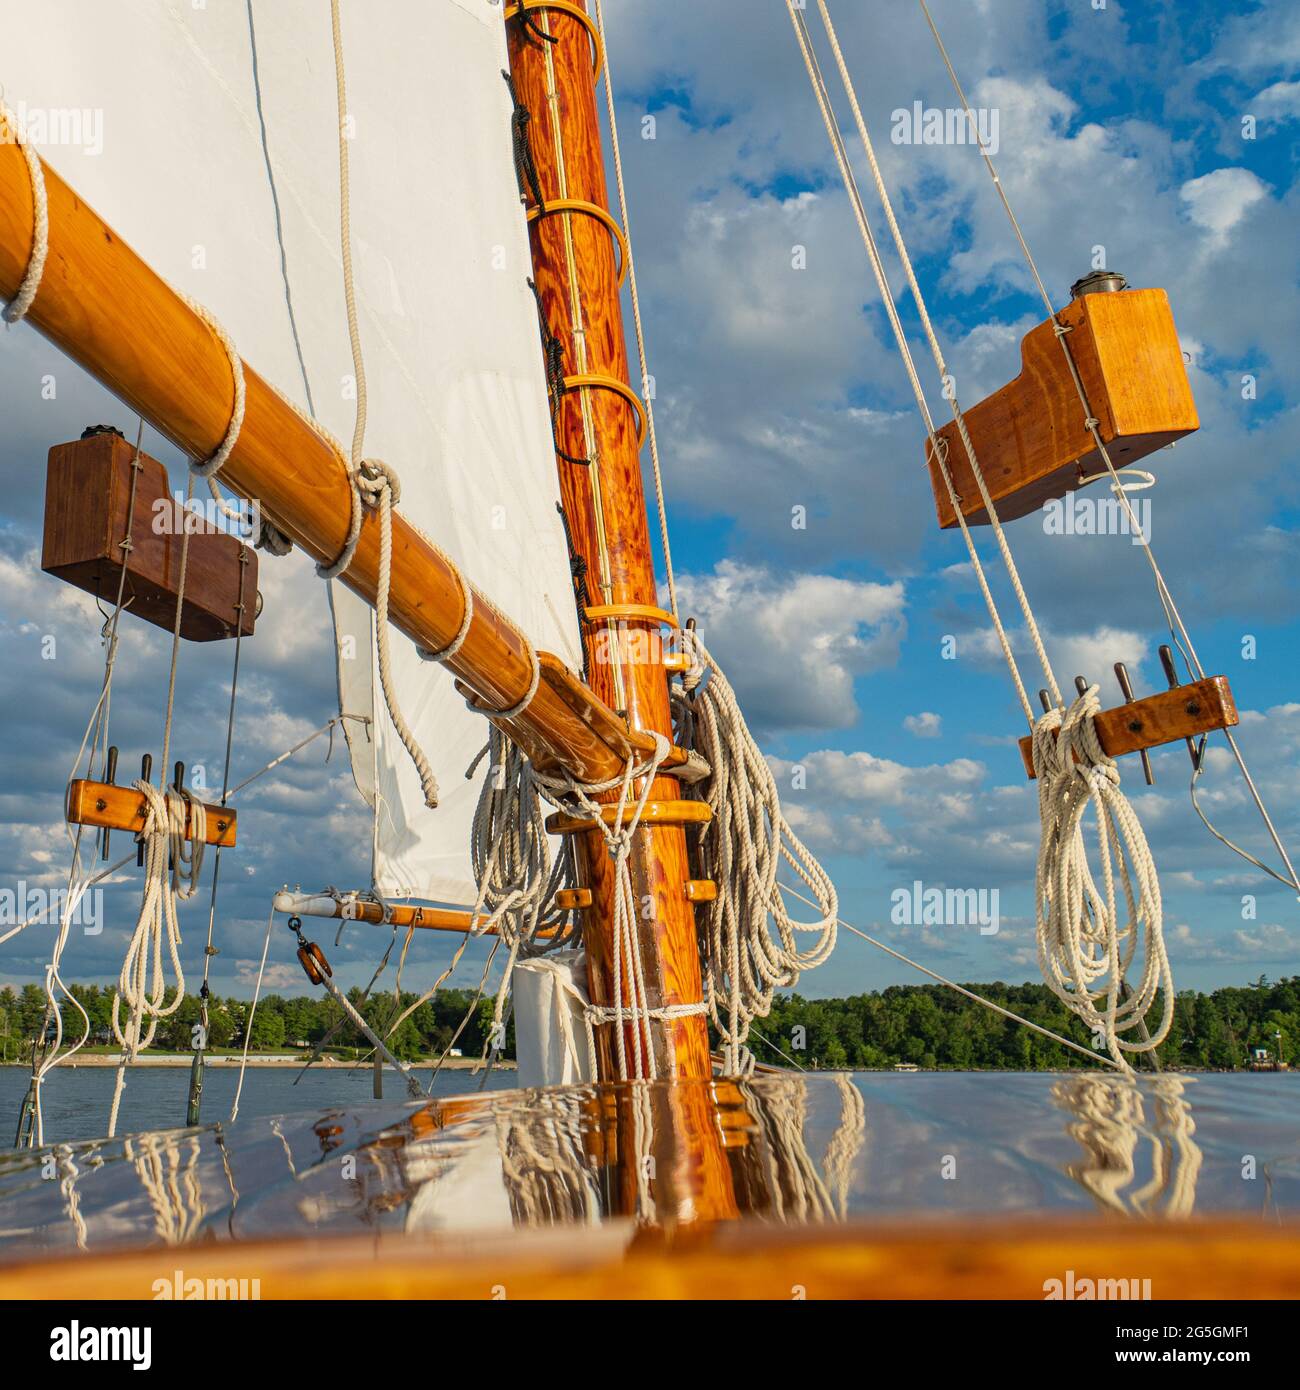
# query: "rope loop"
[[1085, 944], [31, 281]]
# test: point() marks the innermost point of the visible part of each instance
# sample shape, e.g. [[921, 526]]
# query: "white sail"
[[207, 135]]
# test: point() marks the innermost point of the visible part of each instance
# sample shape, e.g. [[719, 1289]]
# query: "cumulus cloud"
[[794, 644], [1219, 200], [924, 725]]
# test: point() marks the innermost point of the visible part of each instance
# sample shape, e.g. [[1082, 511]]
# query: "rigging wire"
[[1173, 618], [1080, 936], [96, 734], [961, 989]]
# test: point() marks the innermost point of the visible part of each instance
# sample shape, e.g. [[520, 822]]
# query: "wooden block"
[[571, 898], [701, 890], [124, 808], [1186, 711], [1030, 437], [87, 501]]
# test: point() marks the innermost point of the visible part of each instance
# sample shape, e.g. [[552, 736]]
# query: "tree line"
[[927, 1025]]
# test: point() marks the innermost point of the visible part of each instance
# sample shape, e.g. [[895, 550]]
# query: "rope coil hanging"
[[1084, 948], [741, 850], [172, 867], [1063, 871]]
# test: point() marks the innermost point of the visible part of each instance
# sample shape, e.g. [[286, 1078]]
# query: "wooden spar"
[[576, 267], [412, 915], [109, 312]]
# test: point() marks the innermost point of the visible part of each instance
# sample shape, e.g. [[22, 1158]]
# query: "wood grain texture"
[[87, 504], [575, 267], [1030, 438], [104, 307], [1167, 717], [124, 808], [995, 1259]]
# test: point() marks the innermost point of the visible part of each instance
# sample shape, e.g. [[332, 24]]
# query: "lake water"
[[75, 1102]]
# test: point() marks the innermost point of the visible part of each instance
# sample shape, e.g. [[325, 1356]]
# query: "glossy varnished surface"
[[874, 1184], [108, 310], [1030, 437], [576, 270]]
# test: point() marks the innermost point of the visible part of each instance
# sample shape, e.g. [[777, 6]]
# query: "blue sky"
[[1119, 127]]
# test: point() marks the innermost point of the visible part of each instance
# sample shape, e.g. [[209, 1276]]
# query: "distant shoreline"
[[261, 1063]]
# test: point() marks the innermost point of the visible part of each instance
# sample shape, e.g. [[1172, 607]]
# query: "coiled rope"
[[1075, 884], [1085, 946], [741, 849], [172, 866]]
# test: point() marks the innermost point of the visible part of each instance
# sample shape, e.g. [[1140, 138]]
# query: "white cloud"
[[924, 725], [793, 644], [1219, 200]]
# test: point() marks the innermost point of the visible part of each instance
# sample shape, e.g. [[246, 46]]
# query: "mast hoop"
[[622, 612], [592, 381], [592, 210], [521, 7]]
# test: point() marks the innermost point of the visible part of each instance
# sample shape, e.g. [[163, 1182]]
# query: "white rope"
[[31, 281], [1074, 899], [575, 799], [741, 850], [1084, 948], [382, 489], [252, 1013], [172, 868], [1177, 628], [211, 466]]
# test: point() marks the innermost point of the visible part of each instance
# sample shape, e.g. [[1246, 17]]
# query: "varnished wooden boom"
[[123, 808], [104, 307], [1186, 711]]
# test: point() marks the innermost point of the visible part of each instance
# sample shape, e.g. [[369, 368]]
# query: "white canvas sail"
[[207, 135]]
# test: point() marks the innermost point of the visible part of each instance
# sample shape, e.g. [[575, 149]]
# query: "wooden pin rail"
[[1186, 711], [114, 316], [110, 807]]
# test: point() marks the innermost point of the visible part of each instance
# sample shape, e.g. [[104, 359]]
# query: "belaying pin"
[[146, 772], [1171, 675], [110, 776], [1126, 689]]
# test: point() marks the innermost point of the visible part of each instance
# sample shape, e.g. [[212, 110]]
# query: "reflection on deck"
[[612, 1165]]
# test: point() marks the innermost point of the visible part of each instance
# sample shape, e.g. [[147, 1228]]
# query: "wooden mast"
[[555, 60]]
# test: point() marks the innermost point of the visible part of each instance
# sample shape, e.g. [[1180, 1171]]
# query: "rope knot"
[[374, 478]]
